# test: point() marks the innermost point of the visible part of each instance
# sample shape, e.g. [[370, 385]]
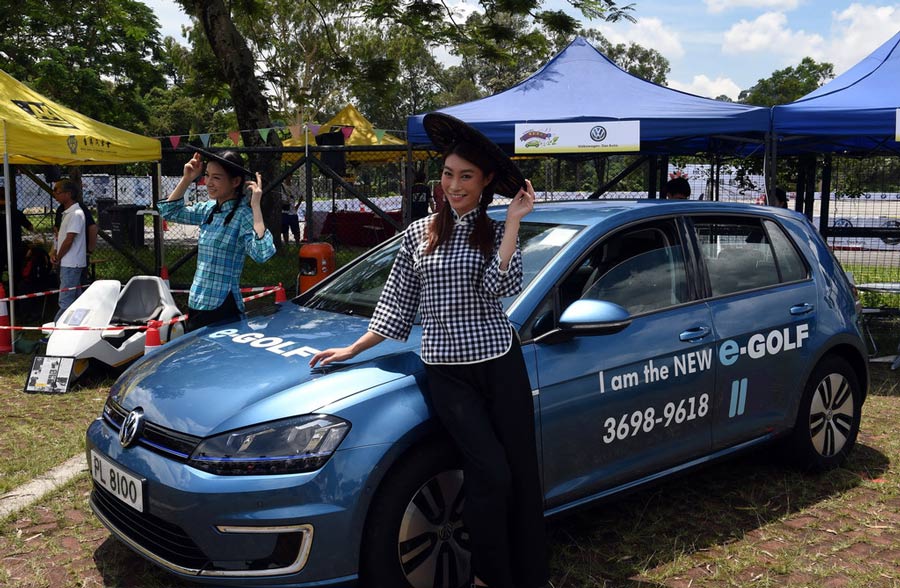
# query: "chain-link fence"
[[112, 199], [354, 198]]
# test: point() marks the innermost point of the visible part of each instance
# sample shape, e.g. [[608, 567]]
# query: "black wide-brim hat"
[[446, 131], [236, 169]]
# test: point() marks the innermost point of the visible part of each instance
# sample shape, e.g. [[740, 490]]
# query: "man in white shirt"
[[69, 246]]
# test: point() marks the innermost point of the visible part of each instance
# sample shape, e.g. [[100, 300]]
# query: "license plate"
[[126, 487]]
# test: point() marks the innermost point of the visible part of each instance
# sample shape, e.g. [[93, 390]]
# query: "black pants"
[[227, 311], [488, 410]]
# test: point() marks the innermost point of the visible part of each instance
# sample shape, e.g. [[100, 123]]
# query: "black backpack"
[[37, 271]]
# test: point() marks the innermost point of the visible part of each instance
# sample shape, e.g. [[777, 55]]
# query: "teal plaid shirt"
[[221, 249]]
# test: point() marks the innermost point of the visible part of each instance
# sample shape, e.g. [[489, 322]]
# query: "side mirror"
[[588, 317]]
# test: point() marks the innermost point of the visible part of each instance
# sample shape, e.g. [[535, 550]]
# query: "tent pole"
[[9, 244], [770, 159]]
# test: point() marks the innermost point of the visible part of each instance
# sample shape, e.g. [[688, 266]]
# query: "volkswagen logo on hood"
[[132, 427]]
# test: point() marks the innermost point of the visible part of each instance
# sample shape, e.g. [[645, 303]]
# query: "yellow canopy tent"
[[364, 134], [37, 130]]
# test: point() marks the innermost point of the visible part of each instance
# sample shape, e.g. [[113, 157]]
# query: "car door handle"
[[802, 308], [694, 334]]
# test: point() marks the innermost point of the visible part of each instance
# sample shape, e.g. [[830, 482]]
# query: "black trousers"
[[227, 311], [488, 410]]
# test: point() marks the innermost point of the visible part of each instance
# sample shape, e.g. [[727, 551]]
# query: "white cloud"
[[723, 5], [857, 31], [769, 33], [650, 33], [703, 86]]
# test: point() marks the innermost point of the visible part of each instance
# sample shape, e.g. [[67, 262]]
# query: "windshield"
[[356, 290]]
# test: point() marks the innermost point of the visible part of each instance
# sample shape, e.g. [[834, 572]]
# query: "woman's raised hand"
[[193, 168], [522, 203], [255, 190]]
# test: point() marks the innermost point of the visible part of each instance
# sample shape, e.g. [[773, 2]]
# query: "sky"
[[717, 47]]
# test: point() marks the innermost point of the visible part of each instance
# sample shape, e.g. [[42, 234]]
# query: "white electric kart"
[[104, 305]]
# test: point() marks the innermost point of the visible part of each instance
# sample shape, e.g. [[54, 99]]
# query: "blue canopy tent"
[[855, 112], [580, 84]]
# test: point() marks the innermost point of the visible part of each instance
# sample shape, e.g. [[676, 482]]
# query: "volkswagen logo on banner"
[[131, 428], [598, 133]]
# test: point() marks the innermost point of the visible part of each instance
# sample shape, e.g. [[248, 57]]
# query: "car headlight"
[[298, 444]]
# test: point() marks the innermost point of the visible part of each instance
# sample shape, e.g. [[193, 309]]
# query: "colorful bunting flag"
[[204, 138], [174, 140], [379, 134], [296, 131], [314, 129], [235, 136], [264, 133], [347, 131]]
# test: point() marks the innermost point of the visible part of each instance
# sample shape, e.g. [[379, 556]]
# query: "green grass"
[[40, 431]]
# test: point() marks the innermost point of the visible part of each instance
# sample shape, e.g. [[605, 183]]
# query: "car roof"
[[596, 212]]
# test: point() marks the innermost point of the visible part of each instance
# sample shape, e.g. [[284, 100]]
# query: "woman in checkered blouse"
[[454, 267], [229, 232]]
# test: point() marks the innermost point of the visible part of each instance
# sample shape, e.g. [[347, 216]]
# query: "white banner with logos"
[[587, 137]]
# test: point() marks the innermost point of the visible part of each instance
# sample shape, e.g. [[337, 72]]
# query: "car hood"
[[257, 370]]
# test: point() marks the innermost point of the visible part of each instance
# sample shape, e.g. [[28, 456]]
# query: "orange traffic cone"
[[280, 295], [151, 338], [5, 334]]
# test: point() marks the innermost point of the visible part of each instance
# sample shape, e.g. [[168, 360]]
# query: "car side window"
[[790, 264], [737, 252], [641, 269]]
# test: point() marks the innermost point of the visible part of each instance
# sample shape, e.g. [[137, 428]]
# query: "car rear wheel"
[[414, 536], [829, 416]]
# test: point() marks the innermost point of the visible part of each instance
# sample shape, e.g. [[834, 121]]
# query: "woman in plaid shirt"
[[454, 267], [229, 231]]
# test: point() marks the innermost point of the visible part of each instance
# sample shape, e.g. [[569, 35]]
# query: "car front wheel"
[[829, 416], [414, 535]]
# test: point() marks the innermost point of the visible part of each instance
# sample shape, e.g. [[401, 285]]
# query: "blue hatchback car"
[[659, 336]]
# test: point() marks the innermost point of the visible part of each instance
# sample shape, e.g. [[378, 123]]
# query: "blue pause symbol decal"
[[738, 397]]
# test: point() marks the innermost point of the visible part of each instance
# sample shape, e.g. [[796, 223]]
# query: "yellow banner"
[[37, 130]]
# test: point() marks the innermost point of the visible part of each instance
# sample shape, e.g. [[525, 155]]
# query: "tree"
[[396, 75], [100, 58], [423, 18], [648, 64], [786, 85], [238, 67]]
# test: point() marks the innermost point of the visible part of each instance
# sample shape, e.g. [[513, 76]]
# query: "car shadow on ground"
[[123, 568], [610, 545]]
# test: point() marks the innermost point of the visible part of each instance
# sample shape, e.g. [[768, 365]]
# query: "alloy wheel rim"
[[831, 415], [433, 544]]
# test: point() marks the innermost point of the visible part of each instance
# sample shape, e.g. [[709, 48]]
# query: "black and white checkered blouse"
[[459, 292]]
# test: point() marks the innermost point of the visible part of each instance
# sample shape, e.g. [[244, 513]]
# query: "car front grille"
[[165, 441], [161, 538]]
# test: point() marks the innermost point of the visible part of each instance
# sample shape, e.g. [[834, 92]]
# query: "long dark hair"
[[441, 226], [233, 165]]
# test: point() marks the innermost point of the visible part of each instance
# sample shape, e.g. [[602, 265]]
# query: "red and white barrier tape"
[[244, 290], [177, 319], [39, 294], [268, 290], [260, 295], [48, 292]]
